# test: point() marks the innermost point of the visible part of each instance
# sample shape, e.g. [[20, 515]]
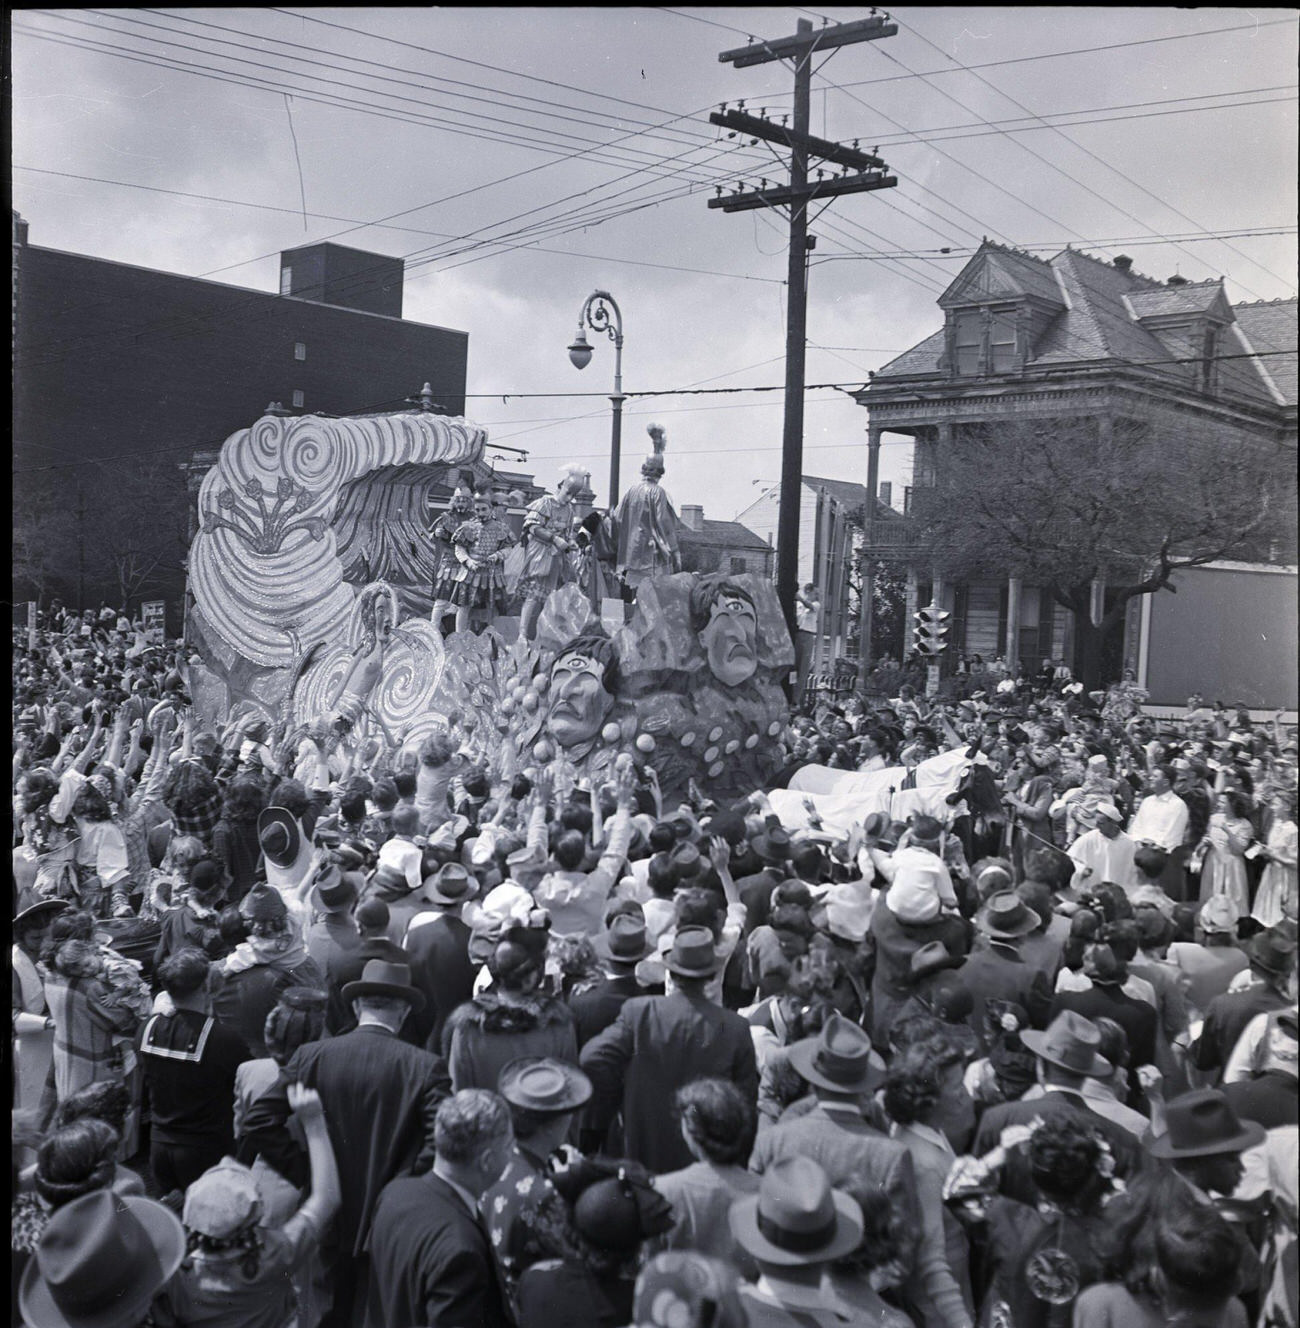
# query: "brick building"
[[1073, 337], [127, 381]]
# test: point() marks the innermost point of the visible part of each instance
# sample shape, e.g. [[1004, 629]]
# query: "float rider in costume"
[[548, 541], [646, 522], [481, 547], [459, 510]]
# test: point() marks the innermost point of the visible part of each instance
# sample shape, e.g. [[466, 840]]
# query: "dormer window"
[[968, 346], [985, 340]]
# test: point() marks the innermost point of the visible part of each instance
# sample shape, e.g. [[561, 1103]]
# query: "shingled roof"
[[1106, 314], [721, 535]]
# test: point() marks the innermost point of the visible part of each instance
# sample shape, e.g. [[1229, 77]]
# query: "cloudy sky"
[[520, 159]]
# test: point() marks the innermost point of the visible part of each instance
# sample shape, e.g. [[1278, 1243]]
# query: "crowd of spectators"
[[311, 1033]]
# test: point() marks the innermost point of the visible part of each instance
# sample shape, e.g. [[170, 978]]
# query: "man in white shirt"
[[807, 623], [1104, 853], [1162, 816]]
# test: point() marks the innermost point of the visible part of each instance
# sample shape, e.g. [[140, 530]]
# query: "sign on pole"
[[932, 680], [154, 613]]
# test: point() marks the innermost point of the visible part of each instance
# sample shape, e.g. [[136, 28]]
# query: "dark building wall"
[[113, 360], [353, 278]]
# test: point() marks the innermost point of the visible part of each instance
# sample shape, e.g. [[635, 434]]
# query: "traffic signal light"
[[931, 629]]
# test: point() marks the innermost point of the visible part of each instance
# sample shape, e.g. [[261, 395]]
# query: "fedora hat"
[[839, 1058], [1272, 952], [380, 978], [933, 958], [333, 891], [693, 955], [1202, 1123], [1071, 1043], [100, 1261], [38, 914], [1006, 917], [280, 835], [544, 1085], [772, 845], [451, 884], [626, 940], [796, 1218]]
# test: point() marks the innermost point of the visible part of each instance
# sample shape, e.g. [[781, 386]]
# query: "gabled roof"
[[850, 495], [1269, 329], [1106, 314], [722, 534], [996, 272], [1200, 297]]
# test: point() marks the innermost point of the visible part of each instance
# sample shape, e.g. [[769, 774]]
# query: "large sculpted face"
[[729, 639], [579, 701]]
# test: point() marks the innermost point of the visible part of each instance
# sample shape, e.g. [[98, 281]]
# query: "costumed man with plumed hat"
[[646, 522]]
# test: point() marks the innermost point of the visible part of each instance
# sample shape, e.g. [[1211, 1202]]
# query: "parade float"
[[303, 614]]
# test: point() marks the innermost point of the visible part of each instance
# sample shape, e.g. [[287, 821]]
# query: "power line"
[[1054, 55], [1095, 157]]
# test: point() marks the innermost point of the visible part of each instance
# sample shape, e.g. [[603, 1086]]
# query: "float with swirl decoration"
[[690, 684]]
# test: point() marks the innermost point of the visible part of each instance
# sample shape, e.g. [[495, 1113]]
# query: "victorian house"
[[1070, 337]]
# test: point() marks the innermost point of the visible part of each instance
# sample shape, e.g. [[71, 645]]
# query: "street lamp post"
[[601, 313]]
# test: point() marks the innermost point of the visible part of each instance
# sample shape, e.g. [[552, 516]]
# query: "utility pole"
[[868, 174]]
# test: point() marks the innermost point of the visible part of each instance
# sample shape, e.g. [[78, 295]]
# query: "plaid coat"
[[88, 1023]]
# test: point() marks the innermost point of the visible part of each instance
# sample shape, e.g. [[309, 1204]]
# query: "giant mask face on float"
[[729, 639], [579, 703]]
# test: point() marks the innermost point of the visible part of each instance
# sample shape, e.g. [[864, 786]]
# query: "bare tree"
[[1067, 502]]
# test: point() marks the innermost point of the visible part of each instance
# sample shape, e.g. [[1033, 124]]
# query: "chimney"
[[1176, 280], [1123, 262], [886, 493], [693, 517]]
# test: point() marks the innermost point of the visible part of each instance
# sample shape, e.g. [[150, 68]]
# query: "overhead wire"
[[1087, 152]]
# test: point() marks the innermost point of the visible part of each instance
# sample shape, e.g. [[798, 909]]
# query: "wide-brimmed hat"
[[280, 835], [334, 891], [693, 955], [1271, 951], [1006, 917], [933, 957], [1071, 1043], [38, 914], [450, 885], [772, 845], [544, 1085], [223, 1201], [796, 1218], [625, 941], [840, 1058], [380, 978], [1202, 1123], [100, 1262]]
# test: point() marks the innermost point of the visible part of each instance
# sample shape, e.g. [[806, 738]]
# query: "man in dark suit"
[[621, 947], [996, 969], [1065, 1055], [773, 850], [431, 1261], [380, 1095], [1107, 998], [437, 943], [1272, 965], [659, 1043], [372, 922]]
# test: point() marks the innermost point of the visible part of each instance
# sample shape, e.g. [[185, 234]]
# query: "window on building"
[[737, 564], [1002, 342], [298, 399], [299, 350], [1209, 355], [969, 342], [286, 280]]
